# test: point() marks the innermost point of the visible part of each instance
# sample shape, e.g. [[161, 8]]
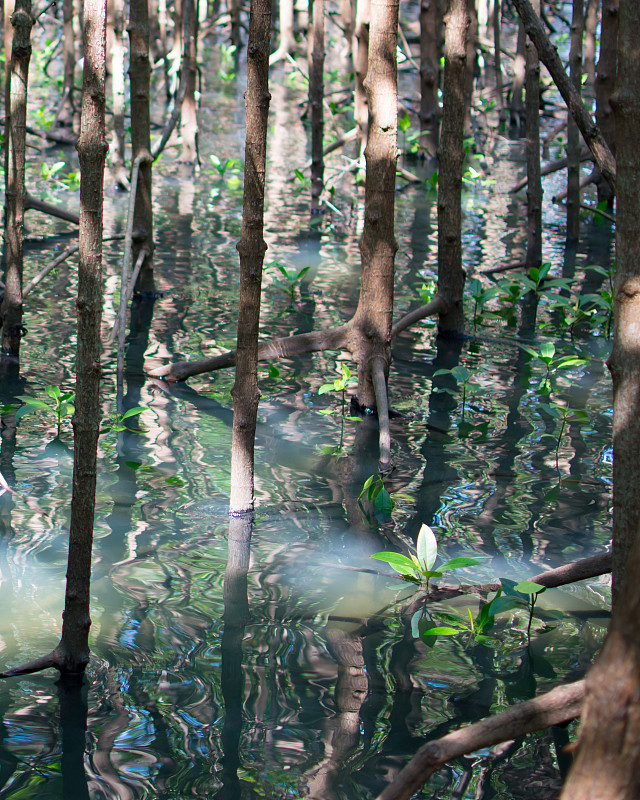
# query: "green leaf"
[[458, 563], [427, 547], [326, 387], [444, 631], [529, 587], [547, 351], [383, 501], [367, 484], [398, 561], [53, 391], [132, 412]]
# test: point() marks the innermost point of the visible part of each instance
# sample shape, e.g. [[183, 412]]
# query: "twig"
[[47, 208], [436, 306], [552, 166], [30, 502], [560, 705], [502, 268], [407, 49]]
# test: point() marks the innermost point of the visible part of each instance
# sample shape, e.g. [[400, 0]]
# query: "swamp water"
[[298, 673]]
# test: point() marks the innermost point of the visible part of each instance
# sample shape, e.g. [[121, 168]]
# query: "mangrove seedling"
[[290, 280], [418, 567], [116, 421], [562, 413], [61, 407], [462, 376], [341, 384], [546, 354], [377, 495]]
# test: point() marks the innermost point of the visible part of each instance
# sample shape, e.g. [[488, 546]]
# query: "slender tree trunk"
[[517, 83], [188, 116], [139, 76], [346, 21], [67, 108], [361, 59], [429, 76], [450, 272], [316, 100], [251, 248], [15, 132], [534, 182], [374, 315], [235, 6], [117, 149], [287, 40], [73, 650], [497, 59], [607, 68], [590, 32], [471, 64], [573, 134]]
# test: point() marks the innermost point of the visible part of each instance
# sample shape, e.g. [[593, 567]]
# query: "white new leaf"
[[427, 547]]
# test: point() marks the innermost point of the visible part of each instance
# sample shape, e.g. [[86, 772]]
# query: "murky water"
[[286, 666]]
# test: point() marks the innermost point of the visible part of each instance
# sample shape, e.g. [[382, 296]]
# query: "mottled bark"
[[15, 131], [374, 315], [73, 650], [573, 134], [451, 153], [534, 182], [251, 248], [429, 76], [316, 100], [470, 67], [139, 76]]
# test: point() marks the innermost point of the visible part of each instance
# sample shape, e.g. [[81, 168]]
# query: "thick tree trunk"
[[451, 153], [316, 100], [251, 248], [15, 132], [429, 76], [139, 75], [534, 182], [573, 134], [607, 68], [374, 316], [608, 760], [73, 650]]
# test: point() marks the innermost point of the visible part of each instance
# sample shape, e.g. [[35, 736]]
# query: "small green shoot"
[[61, 407], [116, 422], [340, 384], [564, 414], [418, 567], [462, 376], [546, 354], [290, 280]]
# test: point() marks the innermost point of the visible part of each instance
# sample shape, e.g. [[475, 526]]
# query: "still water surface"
[[287, 666]]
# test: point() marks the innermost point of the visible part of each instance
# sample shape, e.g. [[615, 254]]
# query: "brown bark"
[[15, 132], [139, 76], [316, 100], [472, 32], [372, 321], [251, 248], [573, 134], [549, 57], [608, 760], [534, 182], [554, 708], [497, 54], [235, 6], [451, 154], [287, 40], [429, 76], [73, 649]]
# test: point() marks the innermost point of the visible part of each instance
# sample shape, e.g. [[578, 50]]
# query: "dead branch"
[[560, 705], [503, 268]]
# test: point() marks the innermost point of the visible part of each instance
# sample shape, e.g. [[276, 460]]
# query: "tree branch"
[[560, 705]]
